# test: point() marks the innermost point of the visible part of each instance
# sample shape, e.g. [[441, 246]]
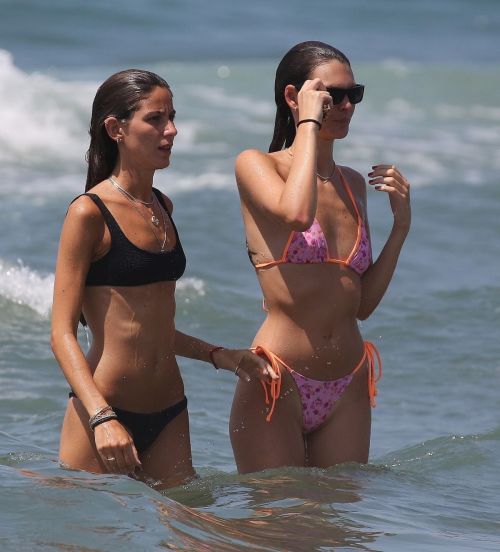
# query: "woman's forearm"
[[192, 347], [298, 200], [76, 370]]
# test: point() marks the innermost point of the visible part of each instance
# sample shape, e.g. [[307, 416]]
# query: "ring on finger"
[[111, 459]]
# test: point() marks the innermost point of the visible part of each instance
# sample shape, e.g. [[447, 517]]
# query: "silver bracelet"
[[102, 419], [102, 415]]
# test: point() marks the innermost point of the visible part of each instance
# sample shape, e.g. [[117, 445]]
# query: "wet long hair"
[[118, 96], [295, 68]]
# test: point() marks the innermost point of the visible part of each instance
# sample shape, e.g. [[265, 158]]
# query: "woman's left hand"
[[388, 178], [245, 364]]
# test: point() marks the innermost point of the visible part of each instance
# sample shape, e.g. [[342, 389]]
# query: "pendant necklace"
[[154, 219]]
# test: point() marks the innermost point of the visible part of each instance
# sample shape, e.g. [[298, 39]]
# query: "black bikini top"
[[125, 264]]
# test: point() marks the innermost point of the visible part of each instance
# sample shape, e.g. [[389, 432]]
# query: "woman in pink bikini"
[[309, 241]]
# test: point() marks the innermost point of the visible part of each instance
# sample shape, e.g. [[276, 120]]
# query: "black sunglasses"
[[355, 94]]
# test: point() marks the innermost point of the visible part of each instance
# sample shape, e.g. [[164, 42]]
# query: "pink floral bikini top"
[[310, 246]]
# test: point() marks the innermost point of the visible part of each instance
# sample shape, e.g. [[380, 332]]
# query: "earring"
[[119, 139]]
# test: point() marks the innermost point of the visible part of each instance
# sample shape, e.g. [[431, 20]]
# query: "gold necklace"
[[320, 176], [329, 177]]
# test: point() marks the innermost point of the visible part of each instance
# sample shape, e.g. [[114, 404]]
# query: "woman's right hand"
[[313, 100], [116, 448]]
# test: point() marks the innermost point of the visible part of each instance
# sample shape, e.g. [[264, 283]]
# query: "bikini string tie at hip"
[[370, 355]]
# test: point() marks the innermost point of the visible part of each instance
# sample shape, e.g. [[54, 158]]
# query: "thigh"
[[259, 444], [77, 446], [345, 436], [168, 460]]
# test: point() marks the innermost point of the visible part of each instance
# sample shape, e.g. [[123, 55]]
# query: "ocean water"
[[432, 107]]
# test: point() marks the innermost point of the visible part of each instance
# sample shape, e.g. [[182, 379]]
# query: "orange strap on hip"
[[274, 385], [370, 354]]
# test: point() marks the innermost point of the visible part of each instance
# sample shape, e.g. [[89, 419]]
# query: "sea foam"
[[24, 286], [43, 119]]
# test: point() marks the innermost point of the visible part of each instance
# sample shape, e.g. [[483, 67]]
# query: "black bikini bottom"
[[145, 428]]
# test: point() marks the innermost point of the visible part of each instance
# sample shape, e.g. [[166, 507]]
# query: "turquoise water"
[[431, 106]]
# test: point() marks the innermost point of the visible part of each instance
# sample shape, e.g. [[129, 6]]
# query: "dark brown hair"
[[295, 68], [118, 96]]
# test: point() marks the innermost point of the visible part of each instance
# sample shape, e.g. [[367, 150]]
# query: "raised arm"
[[375, 281], [259, 182]]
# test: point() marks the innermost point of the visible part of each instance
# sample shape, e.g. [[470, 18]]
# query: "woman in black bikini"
[[119, 258]]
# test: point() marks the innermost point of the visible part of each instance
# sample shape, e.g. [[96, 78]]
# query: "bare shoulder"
[[252, 160], [84, 209], [356, 180], [254, 167], [84, 222]]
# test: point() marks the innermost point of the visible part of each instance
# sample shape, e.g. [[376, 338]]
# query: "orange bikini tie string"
[[274, 385], [370, 353]]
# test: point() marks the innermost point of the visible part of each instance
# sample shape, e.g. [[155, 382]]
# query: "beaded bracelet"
[[104, 418], [211, 355], [310, 121], [102, 415], [101, 410]]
